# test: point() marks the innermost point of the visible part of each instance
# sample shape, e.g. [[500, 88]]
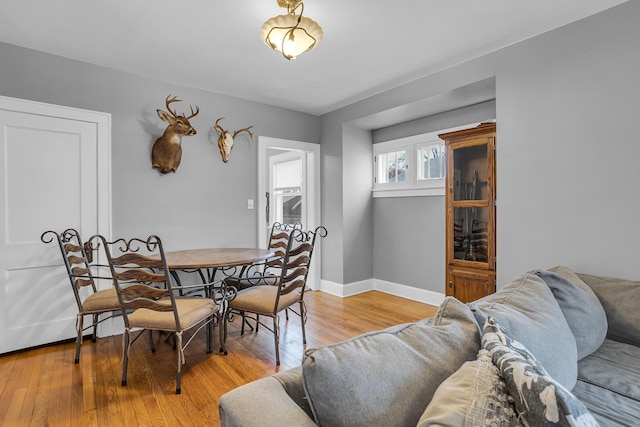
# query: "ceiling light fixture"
[[291, 34]]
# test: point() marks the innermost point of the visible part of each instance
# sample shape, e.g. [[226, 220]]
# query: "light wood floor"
[[43, 387]]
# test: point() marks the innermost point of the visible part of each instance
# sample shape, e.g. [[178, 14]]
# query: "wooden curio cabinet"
[[471, 212]]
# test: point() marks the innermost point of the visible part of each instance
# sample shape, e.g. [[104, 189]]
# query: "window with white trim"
[[431, 161], [412, 166], [409, 167], [392, 166]]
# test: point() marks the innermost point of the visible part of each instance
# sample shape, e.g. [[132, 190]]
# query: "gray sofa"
[[552, 347]]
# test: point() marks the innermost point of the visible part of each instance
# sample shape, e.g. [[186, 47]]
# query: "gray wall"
[[357, 203], [566, 105], [409, 232], [409, 241], [205, 202], [568, 169]]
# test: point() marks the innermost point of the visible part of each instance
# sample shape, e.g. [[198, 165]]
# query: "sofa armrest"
[[264, 402]]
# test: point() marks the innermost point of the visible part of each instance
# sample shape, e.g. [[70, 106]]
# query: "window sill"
[[409, 192]]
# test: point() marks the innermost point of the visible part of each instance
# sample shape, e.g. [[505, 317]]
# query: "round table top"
[[215, 257]]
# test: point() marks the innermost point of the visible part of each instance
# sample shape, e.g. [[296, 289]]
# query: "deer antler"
[[192, 113], [217, 127], [169, 101], [243, 130]]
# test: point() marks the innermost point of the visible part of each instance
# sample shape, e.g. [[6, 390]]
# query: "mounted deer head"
[[167, 150], [225, 141]]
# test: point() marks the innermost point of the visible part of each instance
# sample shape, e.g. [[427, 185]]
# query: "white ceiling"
[[369, 45]]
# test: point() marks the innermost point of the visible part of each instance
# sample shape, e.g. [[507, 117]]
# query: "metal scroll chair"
[[277, 243], [148, 297], [280, 292], [257, 273], [90, 301]]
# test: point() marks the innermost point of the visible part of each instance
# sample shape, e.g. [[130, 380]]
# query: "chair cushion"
[[538, 398], [386, 378], [580, 306], [262, 299], [527, 308], [475, 395], [100, 301], [190, 310], [620, 299]]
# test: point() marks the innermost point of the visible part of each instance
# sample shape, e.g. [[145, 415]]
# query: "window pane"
[[402, 166], [391, 167], [431, 162], [288, 205]]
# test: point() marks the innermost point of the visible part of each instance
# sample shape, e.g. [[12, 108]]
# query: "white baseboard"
[[409, 292], [347, 290], [404, 291]]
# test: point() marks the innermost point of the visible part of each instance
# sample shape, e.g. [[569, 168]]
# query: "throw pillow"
[[620, 299], [388, 377], [527, 308], [580, 306], [475, 395], [539, 399]]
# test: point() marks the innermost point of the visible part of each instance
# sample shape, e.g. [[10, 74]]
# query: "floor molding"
[[404, 291]]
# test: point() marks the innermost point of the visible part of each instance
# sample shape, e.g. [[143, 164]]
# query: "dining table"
[[212, 259], [207, 262]]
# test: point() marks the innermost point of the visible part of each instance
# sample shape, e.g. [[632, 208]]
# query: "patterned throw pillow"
[[475, 395], [538, 398]]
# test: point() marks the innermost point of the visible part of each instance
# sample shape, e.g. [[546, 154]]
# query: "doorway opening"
[[289, 189]]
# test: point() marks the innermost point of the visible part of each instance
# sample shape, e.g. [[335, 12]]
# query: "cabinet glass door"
[[470, 173], [471, 234], [471, 207]]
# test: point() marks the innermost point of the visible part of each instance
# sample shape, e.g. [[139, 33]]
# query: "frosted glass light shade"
[[283, 34]]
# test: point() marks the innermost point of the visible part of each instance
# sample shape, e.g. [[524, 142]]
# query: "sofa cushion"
[[388, 377], [475, 395], [538, 398], [609, 384], [620, 299], [616, 367], [609, 408], [527, 308], [580, 306]]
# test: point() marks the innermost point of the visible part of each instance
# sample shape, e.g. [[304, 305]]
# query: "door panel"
[[48, 182], [468, 285]]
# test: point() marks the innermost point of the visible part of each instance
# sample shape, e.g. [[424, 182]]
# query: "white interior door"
[[289, 188], [52, 178]]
